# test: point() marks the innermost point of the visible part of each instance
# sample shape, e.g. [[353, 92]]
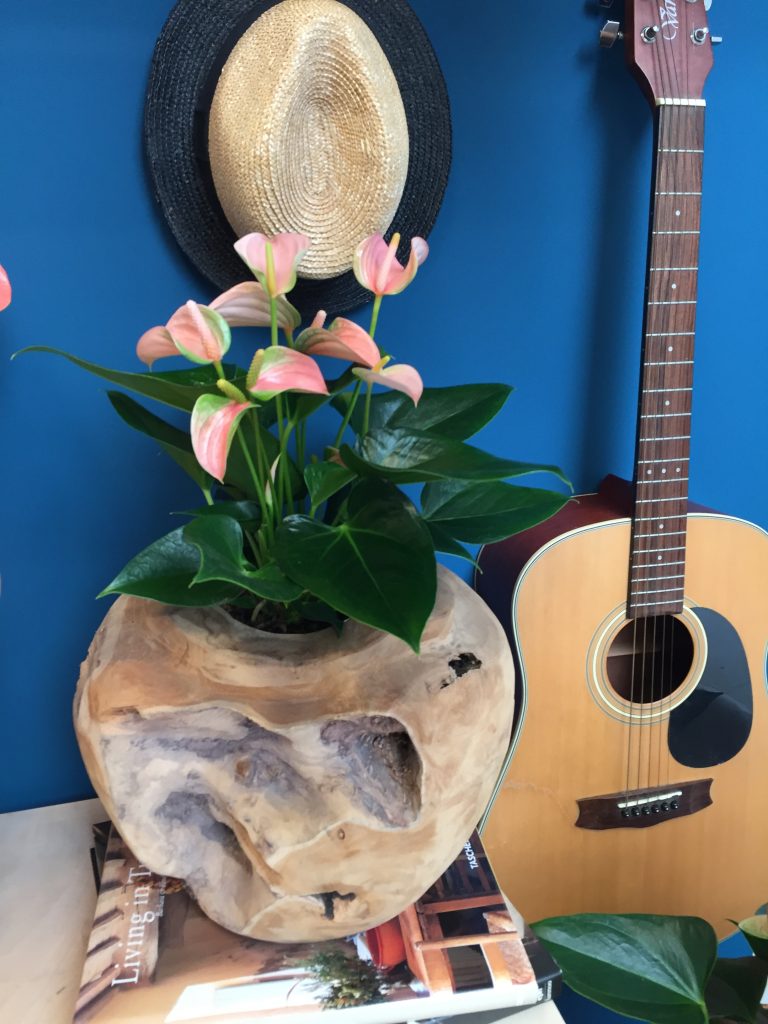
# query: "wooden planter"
[[304, 786]]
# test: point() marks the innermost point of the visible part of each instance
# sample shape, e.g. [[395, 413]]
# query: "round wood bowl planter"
[[304, 786]]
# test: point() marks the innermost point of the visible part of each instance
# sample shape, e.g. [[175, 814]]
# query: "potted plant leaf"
[[661, 969], [291, 705]]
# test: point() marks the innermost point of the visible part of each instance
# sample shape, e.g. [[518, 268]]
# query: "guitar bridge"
[[644, 808]]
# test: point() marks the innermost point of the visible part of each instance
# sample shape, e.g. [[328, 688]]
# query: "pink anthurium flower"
[[344, 339], [273, 260], [197, 332], [377, 268], [5, 290], [400, 378], [214, 422], [247, 305], [279, 369]]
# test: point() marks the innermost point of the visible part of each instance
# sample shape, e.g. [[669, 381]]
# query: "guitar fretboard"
[[657, 561]]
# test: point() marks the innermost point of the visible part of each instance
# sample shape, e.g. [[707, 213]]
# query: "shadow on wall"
[[624, 130]]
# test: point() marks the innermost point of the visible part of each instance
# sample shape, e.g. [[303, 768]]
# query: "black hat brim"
[[191, 51]]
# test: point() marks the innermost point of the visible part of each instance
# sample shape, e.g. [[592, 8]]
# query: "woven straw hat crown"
[[307, 132]]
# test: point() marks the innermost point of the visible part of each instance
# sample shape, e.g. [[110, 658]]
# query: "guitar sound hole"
[[649, 658]]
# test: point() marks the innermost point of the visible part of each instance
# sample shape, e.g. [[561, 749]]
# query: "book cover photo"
[[154, 957]]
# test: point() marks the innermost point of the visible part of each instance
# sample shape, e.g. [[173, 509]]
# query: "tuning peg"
[[707, 4], [716, 40], [606, 3], [609, 33]]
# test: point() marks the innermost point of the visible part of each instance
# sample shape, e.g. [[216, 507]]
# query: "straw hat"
[[328, 117]]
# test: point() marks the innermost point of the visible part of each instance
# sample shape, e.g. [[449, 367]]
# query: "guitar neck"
[[657, 561]]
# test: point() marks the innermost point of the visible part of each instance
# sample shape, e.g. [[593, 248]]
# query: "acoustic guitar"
[[637, 777]]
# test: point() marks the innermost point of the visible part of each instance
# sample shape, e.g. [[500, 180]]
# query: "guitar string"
[[676, 122], [662, 53]]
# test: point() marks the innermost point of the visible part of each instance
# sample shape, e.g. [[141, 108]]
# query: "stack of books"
[[155, 958]]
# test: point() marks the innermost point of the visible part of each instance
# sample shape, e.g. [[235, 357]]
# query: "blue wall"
[[535, 277]]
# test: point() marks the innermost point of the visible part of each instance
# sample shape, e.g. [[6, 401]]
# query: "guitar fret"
[[678, 193], [653, 440], [676, 232], [653, 551], [662, 415], [657, 270], [679, 562], [681, 150], [653, 462], [671, 480], [648, 604], [670, 533], [664, 391], [653, 519], [655, 579], [660, 590], [671, 334], [674, 362], [658, 501]]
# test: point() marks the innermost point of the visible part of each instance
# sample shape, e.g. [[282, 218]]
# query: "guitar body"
[[561, 592]]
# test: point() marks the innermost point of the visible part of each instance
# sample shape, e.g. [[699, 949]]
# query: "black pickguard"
[[713, 725]]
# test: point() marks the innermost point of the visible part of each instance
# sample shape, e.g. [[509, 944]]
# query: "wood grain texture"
[[711, 864]]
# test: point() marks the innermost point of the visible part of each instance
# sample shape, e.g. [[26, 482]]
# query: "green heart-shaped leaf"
[[651, 967], [755, 931], [165, 571], [177, 388], [735, 988], [176, 443], [486, 512], [247, 513], [325, 479], [219, 539], [457, 412], [417, 457], [444, 542], [377, 566]]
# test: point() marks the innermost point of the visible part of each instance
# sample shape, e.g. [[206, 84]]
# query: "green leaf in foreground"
[[445, 543], [456, 412], [219, 540], [378, 566], [735, 988], [486, 512], [416, 457], [755, 931], [324, 479], [165, 571], [177, 388], [174, 442], [247, 513], [651, 967]]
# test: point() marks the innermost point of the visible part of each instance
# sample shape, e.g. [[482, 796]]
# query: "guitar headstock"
[[669, 46]]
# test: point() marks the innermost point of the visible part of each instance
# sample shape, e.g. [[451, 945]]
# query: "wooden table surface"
[[47, 898]]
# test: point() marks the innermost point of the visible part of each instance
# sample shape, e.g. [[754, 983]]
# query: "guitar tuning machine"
[[609, 33]]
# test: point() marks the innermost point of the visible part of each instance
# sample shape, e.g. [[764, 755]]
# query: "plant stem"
[[348, 416], [207, 494], [282, 487], [256, 481], [375, 315], [367, 413]]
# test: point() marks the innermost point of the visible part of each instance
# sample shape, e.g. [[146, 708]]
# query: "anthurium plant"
[[661, 969], [289, 536]]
